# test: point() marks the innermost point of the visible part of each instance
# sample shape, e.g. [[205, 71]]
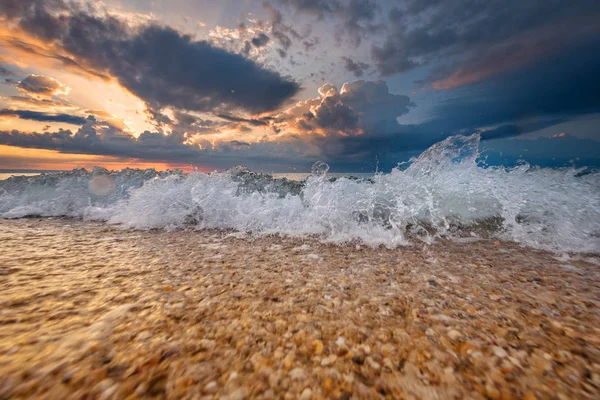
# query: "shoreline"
[[91, 309]]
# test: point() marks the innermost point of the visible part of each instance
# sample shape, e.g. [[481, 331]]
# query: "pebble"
[[328, 360], [500, 352], [306, 394], [454, 334], [211, 387], [297, 374]]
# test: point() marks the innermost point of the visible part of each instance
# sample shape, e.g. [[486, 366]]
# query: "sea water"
[[447, 192]]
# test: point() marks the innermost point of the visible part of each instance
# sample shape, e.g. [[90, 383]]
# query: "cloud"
[[42, 116], [260, 40], [250, 38], [6, 72], [356, 67], [319, 8], [352, 151], [461, 33], [311, 44], [40, 103], [42, 86], [156, 63], [557, 86], [357, 18], [186, 123], [254, 122], [350, 127], [280, 31], [97, 139], [359, 108]]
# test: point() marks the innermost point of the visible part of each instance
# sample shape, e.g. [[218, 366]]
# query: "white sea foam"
[[444, 193]]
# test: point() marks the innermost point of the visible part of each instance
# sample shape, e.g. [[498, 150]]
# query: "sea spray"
[[445, 193]]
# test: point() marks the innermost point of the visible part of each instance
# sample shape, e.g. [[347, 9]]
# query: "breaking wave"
[[444, 193]]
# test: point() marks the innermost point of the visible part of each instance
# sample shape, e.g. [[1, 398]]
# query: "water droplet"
[[319, 168]]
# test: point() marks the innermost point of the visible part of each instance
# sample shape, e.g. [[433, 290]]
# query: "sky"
[[277, 85]]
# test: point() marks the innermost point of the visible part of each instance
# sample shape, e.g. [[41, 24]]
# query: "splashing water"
[[443, 193]]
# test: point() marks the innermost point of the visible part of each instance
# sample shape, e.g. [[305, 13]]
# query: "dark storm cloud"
[[156, 63], [426, 31], [356, 67], [558, 86], [42, 116]]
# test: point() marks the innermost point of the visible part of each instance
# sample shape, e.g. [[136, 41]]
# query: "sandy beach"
[[89, 310]]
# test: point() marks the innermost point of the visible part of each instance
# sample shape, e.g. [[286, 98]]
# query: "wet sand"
[[92, 311]]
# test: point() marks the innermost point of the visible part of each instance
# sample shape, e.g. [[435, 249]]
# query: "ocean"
[[6, 175], [445, 193]]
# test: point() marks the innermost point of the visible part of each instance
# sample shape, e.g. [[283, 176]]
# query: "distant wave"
[[444, 193]]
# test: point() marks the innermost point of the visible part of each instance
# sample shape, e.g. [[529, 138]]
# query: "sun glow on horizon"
[[18, 158]]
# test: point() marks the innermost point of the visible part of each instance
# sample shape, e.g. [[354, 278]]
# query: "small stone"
[[372, 363], [358, 359], [388, 363], [297, 373], [108, 388], [491, 391], [348, 377], [454, 334], [317, 346], [306, 394], [557, 326], [238, 394], [211, 387], [327, 385], [429, 332], [141, 390], [288, 361], [500, 352], [328, 360]]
